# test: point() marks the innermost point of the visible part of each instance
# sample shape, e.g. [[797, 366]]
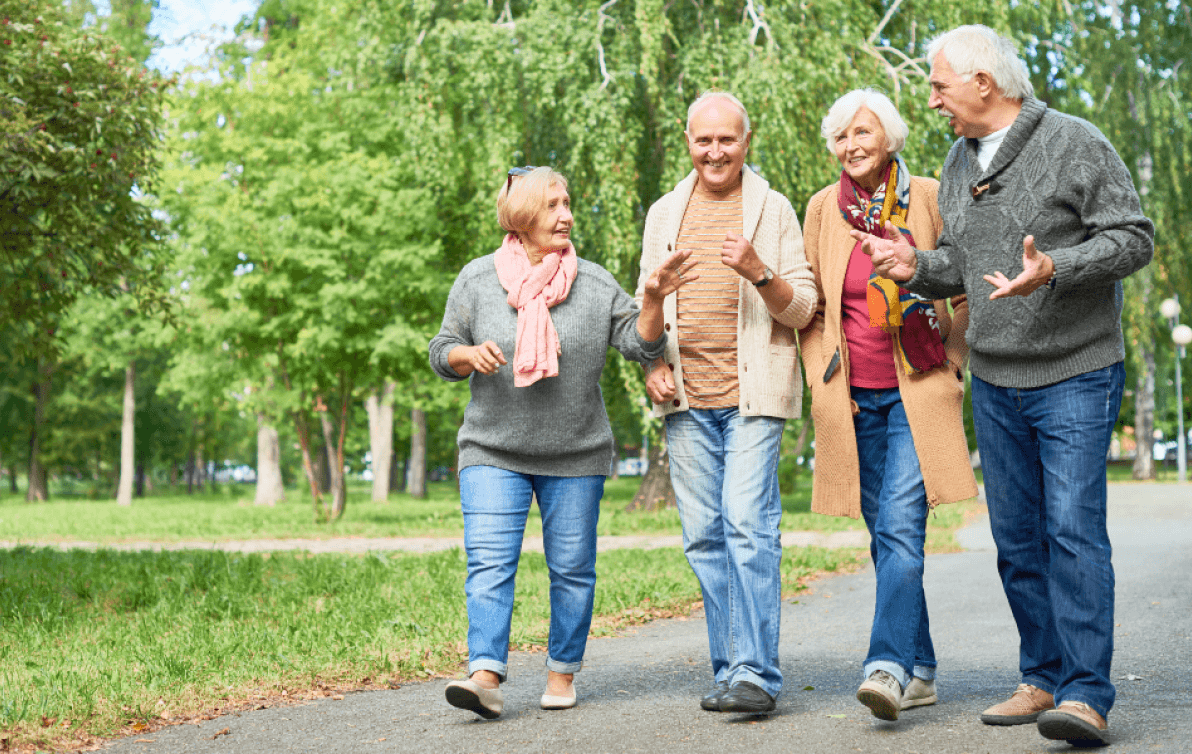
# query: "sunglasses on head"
[[518, 172]]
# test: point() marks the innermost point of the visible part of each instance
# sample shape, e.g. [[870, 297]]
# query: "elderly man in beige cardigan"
[[725, 387]]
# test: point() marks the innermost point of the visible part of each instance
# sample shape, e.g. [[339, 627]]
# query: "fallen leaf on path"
[[224, 732]]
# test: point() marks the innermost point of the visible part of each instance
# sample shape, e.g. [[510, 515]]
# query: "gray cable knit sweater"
[[558, 425], [1055, 177]]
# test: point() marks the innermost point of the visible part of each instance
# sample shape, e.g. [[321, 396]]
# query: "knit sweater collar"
[[1020, 133], [754, 189]]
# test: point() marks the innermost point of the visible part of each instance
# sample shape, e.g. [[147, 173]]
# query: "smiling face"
[[552, 226], [718, 144], [957, 99], [863, 149]]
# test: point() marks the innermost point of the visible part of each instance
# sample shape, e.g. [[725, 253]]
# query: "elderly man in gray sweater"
[[1041, 224]]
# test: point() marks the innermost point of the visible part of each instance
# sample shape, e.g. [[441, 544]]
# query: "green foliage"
[[79, 127]]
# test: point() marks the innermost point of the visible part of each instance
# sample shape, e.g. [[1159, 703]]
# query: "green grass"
[[231, 515], [96, 643]]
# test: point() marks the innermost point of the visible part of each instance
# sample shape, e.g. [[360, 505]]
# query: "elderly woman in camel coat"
[[885, 372]]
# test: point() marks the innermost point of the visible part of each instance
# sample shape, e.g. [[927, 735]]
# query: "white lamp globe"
[[1182, 335], [1170, 308]]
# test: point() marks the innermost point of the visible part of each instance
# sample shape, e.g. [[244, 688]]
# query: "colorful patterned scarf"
[[894, 309]]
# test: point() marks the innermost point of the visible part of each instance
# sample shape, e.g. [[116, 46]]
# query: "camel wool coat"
[[933, 400]]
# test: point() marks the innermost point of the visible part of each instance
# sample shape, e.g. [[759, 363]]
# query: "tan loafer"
[[1025, 706], [1074, 722]]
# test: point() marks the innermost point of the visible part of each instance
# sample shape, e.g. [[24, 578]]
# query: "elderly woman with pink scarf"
[[536, 426]]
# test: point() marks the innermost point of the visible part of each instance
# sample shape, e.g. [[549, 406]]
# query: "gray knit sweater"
[[1059, 179], [558, 425]]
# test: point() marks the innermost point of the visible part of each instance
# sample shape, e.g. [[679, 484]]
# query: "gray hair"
[[843, 110], [973, 48], [699, 101]]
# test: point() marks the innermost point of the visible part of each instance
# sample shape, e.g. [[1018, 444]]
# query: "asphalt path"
[[639, 691]]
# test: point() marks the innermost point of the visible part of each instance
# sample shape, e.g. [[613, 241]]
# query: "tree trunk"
[[270, 490], [338, 488], [127, 437], [1144, 414], [417, 482], [141, 481], [12, 479], [308, 465], [38, 487], [397, 474], [380, 433], [655, 492]]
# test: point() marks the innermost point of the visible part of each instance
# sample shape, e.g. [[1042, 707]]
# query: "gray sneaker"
[[919, 693], [882, 694]]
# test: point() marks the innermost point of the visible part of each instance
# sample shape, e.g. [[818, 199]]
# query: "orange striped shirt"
[[707, 316]]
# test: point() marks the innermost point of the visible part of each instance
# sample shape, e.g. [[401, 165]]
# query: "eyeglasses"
[[518, 172]]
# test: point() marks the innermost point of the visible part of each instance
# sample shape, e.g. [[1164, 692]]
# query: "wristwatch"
[[767, 276]]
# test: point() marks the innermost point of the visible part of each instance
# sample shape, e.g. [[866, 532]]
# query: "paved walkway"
[[433, 544], [639, 692]]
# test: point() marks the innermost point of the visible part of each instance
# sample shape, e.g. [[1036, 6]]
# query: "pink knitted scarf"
[[533, 290]]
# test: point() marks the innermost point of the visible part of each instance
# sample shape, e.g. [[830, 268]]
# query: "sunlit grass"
[[98, 641]]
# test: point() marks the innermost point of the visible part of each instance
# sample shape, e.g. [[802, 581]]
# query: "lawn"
[[230, 515], [102, 643]]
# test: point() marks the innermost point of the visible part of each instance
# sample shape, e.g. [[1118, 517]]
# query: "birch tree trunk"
[[380, 432], [336, 470], [417, 472], [269, 486], [127, 437], [655, 492], [1144, 414]]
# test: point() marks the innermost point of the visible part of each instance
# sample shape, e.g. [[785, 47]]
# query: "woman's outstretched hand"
[[671, 275], [485, 358]]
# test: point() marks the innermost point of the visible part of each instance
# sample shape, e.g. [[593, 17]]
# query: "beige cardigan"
[[933, 400], [767, 368]]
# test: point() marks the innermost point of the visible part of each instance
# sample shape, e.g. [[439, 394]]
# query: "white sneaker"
[[469, 695], [882, 694], [919, 693]]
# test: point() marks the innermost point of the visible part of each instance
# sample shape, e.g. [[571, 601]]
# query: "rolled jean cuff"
[[564, 667], [892, 668], [496, 666], [924, 673], [745, 674]]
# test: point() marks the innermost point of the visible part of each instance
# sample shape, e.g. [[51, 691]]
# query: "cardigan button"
[[672, 367], [676, 401], [668, 326]]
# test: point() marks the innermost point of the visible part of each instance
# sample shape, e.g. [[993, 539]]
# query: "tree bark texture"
[[335, 467], [127, 437], [655, 492], [38, 489], [270, 490], [380, 433], [417, 472]]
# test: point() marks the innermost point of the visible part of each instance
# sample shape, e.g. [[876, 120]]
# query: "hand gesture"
[[739, 254], [660, 383], [1037, 269], [893, 256], [671, 275], [485, 358]]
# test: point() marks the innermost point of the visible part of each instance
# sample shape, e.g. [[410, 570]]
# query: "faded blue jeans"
[[1043, 453], [495, 505], [894, 505], [724, 468]]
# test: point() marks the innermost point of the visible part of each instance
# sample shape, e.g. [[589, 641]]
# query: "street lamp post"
[[1181, 335]]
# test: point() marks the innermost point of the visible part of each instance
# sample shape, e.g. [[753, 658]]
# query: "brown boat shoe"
[[1023, 707], [1074, 722]]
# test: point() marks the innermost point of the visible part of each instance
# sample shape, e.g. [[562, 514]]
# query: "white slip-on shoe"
[[550, 701], [469, 695]]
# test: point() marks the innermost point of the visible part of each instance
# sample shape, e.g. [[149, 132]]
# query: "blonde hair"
[[843, 110], [523, 197]]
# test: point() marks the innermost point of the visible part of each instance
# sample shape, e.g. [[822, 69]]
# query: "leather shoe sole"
[[1060, 726], [711, 700], [747, 697]]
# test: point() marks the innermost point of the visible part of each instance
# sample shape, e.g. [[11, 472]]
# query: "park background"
[[219, 283]]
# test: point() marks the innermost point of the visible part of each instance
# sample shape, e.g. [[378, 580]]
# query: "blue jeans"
[[1043, 452], [495, 505], [724, 468], [894, 505]]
